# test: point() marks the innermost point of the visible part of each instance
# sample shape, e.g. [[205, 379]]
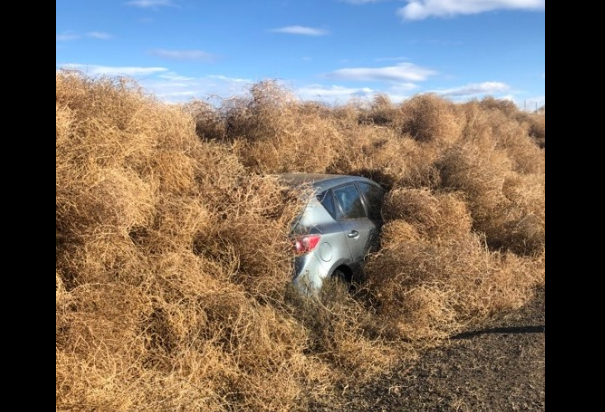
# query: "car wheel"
[[343, 278], [340, 275]]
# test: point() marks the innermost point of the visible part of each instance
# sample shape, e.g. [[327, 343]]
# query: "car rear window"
[[374, 197], [350, 202], [327, 200]]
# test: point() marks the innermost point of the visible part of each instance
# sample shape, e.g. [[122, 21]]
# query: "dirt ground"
[[498, 367]]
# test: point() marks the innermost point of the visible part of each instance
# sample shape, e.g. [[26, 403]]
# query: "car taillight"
[[305, 243]]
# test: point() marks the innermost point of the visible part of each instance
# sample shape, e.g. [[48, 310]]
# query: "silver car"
[[339, 226]]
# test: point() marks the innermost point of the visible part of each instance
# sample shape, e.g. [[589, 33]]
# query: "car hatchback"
[[338, 227]]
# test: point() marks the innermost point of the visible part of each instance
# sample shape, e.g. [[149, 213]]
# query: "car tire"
[[343, 278], [340, 275]]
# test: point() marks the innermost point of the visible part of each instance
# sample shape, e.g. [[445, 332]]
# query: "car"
[[337, 229]]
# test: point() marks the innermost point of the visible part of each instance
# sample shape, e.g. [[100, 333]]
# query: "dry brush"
[[172, 251]]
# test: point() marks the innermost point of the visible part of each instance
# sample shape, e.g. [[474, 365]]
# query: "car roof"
[[320, 180]]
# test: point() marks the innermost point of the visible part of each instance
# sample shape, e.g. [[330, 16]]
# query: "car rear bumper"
[[309, 273]]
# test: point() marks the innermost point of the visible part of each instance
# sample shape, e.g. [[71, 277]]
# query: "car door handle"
[[353, 234]]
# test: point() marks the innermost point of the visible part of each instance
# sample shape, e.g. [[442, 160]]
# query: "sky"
[[321, 50]]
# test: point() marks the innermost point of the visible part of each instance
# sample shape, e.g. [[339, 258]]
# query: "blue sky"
[[328, 50]]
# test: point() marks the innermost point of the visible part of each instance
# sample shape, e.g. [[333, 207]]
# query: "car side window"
[[349, 200], [374, 197], [327, 200]]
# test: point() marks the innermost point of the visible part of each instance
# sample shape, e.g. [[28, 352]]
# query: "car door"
[[373, 197], [359, 230]]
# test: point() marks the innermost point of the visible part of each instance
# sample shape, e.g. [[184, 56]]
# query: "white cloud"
[[402, 72], [184, 55], [175, 77], [69, 35], [475, 89], [99, 35], [338, 94], [170, 86], [150, 4], [402, 88], [361, 1], [301, 30], [66, 36], [178, 88], [532, 103], [96, 70], [390, 59], [422, 9], [319, 91], [229, 79], [173, 87]]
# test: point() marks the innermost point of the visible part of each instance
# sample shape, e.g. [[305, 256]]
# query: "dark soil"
[[497, 367]]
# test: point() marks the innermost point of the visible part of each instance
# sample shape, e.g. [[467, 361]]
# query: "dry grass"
[[209, 124], [382, 112], [506, 129], [508, 207], [434, 217], [430, 290], [272, 132], [429, 118], [536, 122], [172, 253], [537, 128]]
